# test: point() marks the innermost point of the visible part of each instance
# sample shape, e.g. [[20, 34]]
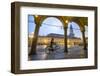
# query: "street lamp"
[[36, 16], [66, 21]]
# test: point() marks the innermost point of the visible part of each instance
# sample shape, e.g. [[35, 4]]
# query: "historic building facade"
[[45, 40], [58, 39]]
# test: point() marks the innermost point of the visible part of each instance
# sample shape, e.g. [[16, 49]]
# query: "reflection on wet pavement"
[[73, 53]]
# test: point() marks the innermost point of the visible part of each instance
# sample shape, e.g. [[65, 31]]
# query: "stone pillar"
[[65, 40], [84, 40], [34, 41]]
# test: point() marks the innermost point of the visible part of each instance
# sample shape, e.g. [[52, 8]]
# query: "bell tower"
[[71, 32]]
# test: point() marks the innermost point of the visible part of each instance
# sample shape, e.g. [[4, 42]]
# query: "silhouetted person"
[[51, 45]]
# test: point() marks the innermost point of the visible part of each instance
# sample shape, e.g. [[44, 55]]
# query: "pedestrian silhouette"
[[51, 45]]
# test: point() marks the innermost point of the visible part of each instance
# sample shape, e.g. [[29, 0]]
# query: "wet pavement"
[[73, 53]]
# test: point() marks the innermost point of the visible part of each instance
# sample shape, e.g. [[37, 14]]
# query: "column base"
[[32, 53]]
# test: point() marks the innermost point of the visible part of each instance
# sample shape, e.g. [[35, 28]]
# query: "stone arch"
[[82, 22], [64, 19], [49, 22], [38, 20], [58, 17], [74, 34], [64, 23]]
